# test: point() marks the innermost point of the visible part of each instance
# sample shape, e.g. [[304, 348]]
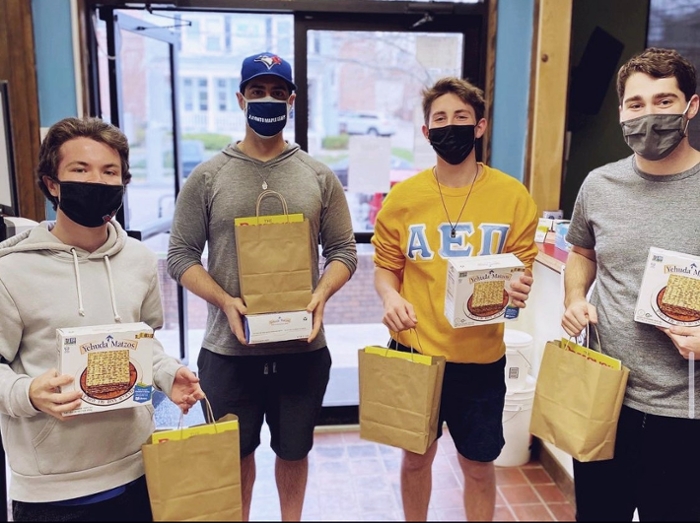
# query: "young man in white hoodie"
[[80, 270]]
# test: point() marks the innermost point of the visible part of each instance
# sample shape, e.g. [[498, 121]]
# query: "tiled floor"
[[355, 480]]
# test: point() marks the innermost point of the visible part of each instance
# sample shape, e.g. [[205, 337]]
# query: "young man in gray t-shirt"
[[648, 199]]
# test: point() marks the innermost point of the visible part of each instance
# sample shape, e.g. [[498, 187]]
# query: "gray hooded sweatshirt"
[[44, 285], [226, 187]]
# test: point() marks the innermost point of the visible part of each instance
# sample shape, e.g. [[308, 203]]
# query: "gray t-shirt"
[[226, 187], [621, 212]]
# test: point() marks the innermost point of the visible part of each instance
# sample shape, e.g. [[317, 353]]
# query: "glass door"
[[363, 119], [360, 76], [137, 61], [169, 80]]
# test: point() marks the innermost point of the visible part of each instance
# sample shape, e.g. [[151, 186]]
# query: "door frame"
[[472, 26], [471, 20], [115, 22]]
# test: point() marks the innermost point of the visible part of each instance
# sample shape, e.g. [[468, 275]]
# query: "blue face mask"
[[266, 116]]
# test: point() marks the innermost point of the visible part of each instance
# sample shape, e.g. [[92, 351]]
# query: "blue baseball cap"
[[266, 63]]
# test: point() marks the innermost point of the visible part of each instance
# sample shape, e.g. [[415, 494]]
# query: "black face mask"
[[452, 143], [90, 204]]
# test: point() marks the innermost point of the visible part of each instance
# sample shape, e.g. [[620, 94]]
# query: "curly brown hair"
[[467, 92], [69, 129], [659, 63]]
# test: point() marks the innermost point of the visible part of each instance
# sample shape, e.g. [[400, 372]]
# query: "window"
[[213, 43], [187, 94], [283, 29], [214, 34], [674, 24], [225, 94], [372, 77], [192, 31], [227, 34], [202, 95]]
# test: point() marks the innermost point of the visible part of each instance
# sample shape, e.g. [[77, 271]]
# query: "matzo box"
[[476, 291], [670, 290], [277, 326], [112, 365]]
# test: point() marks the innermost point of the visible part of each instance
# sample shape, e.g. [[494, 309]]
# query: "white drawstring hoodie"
[[44, 285]]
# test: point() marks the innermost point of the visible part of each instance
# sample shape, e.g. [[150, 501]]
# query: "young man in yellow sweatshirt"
[[459, 207]]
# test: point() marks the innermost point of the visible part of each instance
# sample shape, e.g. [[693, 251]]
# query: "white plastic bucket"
[[518, 358], [516, 426]]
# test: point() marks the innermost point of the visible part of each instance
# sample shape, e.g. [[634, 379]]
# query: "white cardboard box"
[[110, 351], [656, 304], [470, 280], [278, 326]]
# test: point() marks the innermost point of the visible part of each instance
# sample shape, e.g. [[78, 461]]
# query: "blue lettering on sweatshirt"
[[493, 240]]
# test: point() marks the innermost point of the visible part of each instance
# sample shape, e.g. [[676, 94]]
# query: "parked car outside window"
[[365, 122]]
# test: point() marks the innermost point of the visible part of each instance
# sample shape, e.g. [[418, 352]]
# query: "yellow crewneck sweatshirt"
[[412, 239]]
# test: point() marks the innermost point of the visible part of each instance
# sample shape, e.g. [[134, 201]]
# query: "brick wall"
[[356, 302]]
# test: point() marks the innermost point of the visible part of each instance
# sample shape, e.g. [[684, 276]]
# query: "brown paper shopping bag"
[[400, 397], [578, 397], [274, 262], [194, 473]]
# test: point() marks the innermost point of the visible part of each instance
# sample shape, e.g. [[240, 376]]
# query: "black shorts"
[[473, 398], [286, 390]]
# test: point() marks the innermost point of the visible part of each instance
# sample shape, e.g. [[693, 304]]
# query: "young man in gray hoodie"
[[283, 383], [80, 270]]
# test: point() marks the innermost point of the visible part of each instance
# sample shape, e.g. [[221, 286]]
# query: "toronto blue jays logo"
[[269, 60]]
